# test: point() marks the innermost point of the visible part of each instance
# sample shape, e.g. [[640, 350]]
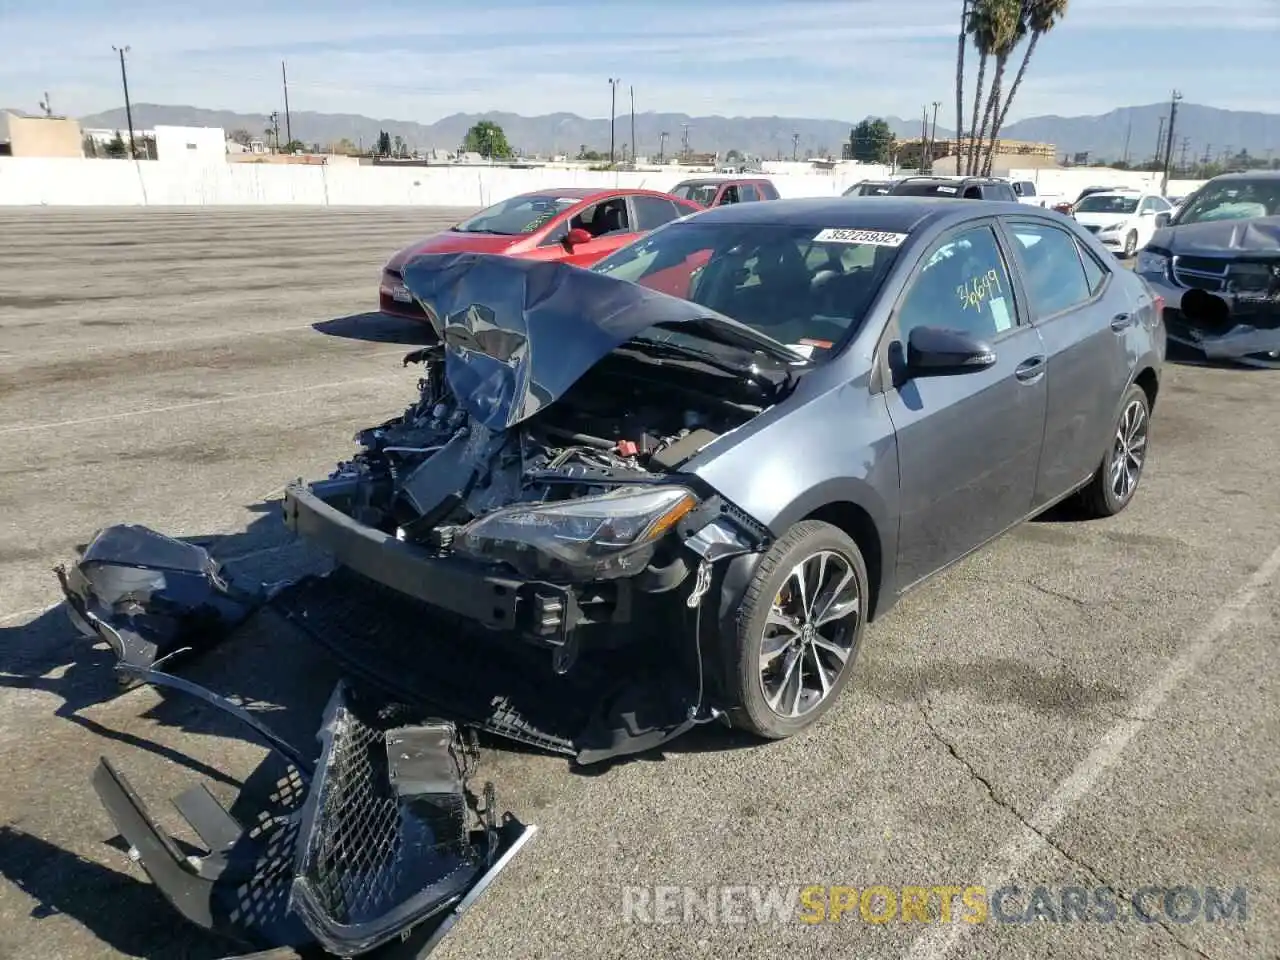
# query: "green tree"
[[116, 148], [294, 146], [1039, 16], [871, 141], [384, 144], [89, 146], [345, 147], [487, 139], [241, 137]]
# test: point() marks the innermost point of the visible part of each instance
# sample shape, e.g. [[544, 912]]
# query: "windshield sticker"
[[979, 290], [942, 189], [872, 238], [804, 349], [820, 344]]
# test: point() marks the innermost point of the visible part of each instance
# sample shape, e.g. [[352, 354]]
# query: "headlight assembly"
[[591, 538]]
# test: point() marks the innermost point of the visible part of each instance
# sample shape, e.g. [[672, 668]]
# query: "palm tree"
[[960, 45], [981, 29], [1007, 28], [1041, 16]]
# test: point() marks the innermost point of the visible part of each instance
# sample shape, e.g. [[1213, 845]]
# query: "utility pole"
[[1182, 160], [684, 137], [613, 112], [662, 146], [633, 125], [288, 126], [1159, 141], [46, 105], [1128, 132], [1168, 146], [274, 120], [128, 107], [795, 145], [924, 136], [933, 134]]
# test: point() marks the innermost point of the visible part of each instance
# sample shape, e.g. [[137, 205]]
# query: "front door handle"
[[1121, 322], [1031, 369]]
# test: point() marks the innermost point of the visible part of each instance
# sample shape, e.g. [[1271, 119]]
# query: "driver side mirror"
[[576, 238], [1162, 219], [936, 351]]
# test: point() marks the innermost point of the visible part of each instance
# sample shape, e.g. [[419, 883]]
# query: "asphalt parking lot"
[[1084, 704]]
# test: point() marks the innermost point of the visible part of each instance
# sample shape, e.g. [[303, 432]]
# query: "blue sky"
[[818, 58]]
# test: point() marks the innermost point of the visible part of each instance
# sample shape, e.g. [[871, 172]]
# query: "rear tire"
[[790, 650], [1118, 476]]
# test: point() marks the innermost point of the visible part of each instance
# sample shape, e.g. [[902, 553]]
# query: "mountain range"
[[1131, 130]]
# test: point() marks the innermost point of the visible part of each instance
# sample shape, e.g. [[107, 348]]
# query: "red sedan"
[[577, 225]]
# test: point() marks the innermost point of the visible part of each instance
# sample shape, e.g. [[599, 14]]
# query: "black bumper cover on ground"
[[379, 857]]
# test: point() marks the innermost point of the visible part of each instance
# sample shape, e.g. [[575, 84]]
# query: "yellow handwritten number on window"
[[979, 290]]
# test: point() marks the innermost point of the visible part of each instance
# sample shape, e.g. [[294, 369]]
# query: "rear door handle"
[[1030, 370], [1121, 322]]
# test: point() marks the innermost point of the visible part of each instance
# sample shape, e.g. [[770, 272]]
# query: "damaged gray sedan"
[[670, 490]]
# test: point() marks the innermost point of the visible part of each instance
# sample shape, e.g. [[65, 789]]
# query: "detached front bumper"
[[376, 852]]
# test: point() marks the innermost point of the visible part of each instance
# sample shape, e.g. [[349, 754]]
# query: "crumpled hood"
[[519, 333], [452, 242], [1217, 238]]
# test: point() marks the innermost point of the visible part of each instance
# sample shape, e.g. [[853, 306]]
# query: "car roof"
[[592, 193], [950, 180], [1250, 175], [700, 181], [888, 214]]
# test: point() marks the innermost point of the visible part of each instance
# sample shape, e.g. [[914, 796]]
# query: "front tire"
[[1117, 479], [1130, 244], [793, 643]]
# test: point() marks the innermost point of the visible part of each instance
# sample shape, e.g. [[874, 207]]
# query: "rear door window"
[[730, 195], [1053, 272], [749, 193], [653, 212]]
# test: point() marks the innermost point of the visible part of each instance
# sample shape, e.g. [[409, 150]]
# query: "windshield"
[[926, 188], [1107, 203], [790, 283], [1233, 200], [868, 190], [703, 193], [523, 214]]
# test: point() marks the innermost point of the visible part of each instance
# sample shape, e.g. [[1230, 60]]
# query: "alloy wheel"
[[1129, 451], [809, 635]]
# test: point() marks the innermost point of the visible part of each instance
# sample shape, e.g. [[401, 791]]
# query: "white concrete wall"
[[27, 181], [191, 144]]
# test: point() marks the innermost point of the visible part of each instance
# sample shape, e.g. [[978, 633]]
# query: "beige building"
[[40, 136]]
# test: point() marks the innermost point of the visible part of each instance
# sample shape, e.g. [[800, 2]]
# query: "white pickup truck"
[[1027, 193]]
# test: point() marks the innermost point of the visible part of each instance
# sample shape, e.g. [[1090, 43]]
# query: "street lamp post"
[[128, 107], [613, 113]]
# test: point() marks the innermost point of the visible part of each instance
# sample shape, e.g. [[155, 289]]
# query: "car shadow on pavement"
[[377, 328], [127, 915]]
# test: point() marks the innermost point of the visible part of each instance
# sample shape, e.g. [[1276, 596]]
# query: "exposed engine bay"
[[428, 475]]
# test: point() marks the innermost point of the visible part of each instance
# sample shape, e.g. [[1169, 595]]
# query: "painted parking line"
[[194, 404], [939, 941]]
